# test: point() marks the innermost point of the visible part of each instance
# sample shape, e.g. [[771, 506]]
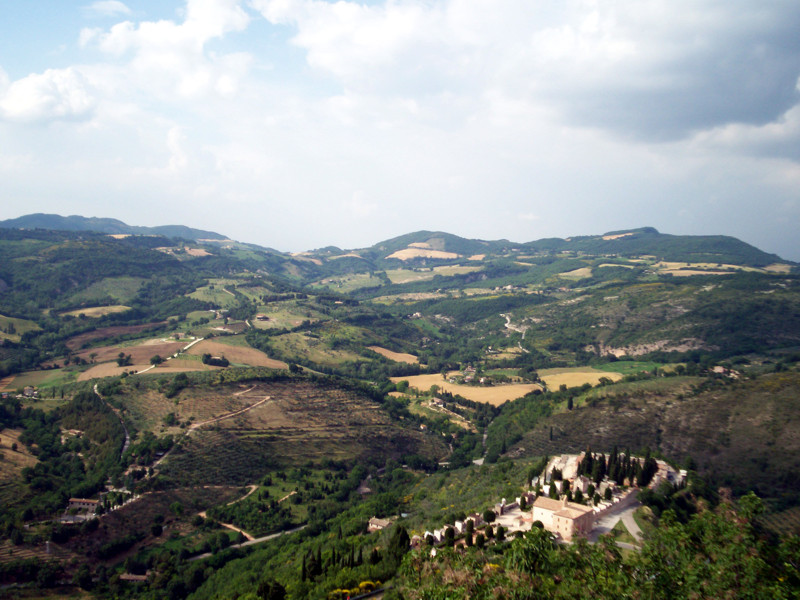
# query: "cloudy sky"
[[298, 124]]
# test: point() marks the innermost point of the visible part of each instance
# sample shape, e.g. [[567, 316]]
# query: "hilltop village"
[[576, 495]]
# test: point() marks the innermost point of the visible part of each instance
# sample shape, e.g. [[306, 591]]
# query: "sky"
[[298, 124]]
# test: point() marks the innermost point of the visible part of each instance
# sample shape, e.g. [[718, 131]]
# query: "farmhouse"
[[376, 524], [567, 519], [83, 504]]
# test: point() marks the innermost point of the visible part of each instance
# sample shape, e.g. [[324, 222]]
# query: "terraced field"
[[147, 408], [786, 522], [11, 464], [303, 421]]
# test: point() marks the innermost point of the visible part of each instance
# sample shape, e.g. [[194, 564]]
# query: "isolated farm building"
[[261, 317], [567, 519], [83, 504], [376, 524]]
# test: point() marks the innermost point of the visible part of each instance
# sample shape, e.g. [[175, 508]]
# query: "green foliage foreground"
[[717, 554]]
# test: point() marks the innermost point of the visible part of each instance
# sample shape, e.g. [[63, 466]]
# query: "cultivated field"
[[110, 370], [302, 256], [316, 350], [349, 283], [147, 408], [216, 294], [19, 326], [577, 273], [412, 253], [575, 377], [285, 315], [121, 289], [395, 356], [79, 341], [494, 395], [48, 378], [95, 312], [196, 251], [11, 464], [14, 461], [784, 522], [778, 268], [236, 354], [140, 353], [302, 421], [407, 276], [411, 297]]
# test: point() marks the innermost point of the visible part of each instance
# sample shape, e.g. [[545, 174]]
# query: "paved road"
[[606, 523], [251, 542]]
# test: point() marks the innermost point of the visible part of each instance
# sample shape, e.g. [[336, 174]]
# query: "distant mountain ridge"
[[427, 246], [105, 225], [628, 243]]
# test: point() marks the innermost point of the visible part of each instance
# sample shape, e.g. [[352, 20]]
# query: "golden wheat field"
[[494, 395], [554, 378], [237, 354], [395, 356]]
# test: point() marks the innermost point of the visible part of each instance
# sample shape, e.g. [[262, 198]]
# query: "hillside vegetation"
[[205, 391]]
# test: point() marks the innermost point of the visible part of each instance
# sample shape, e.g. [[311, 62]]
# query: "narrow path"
[[253, 488], [287, 496], [228, 292], [227, 416], [231, 527], [170, 357], [197, 341], [518, 329]]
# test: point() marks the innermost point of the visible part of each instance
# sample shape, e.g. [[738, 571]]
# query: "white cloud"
[[169, 58], [178, 159], [359, 206], [55, 94], [657, 69], [107, 8]]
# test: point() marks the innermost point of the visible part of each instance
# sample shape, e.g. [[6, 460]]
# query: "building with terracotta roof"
[[567, 519]]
